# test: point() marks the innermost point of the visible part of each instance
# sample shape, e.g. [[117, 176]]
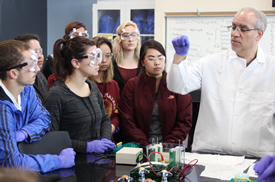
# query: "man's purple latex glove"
[[21, 135], [66, 158], [266, 168], [270, 178], [181, 44], [110, 145], [96, 146]]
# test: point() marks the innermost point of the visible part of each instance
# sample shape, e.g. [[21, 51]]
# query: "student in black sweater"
[[74, 102]]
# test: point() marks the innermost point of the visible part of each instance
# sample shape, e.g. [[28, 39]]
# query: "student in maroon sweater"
[[147, 108], [108, 87]]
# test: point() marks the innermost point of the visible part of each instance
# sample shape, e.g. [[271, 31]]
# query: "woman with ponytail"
[[73, 29], [74, 102]]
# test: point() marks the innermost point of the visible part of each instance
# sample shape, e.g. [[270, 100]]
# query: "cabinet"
[[108, 15]]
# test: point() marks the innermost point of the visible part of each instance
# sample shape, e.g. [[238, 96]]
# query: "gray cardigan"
[[85, 118]]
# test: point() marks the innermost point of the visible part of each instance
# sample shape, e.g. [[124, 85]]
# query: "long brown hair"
[[108, 75]]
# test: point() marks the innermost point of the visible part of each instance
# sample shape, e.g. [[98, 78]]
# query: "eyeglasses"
[[240, 30], [127, 35], [94, 57], [40, 51], [75, 33], [151, 58], [31, 67], [108, 56]]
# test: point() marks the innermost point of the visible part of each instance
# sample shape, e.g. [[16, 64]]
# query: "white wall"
[[184, 6]]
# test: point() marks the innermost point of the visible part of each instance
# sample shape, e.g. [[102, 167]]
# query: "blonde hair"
[[107, 75], [117, 48]]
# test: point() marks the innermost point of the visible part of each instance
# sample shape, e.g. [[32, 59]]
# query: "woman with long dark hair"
[[74, 102]]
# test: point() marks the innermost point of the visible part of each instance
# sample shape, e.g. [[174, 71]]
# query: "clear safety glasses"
[[127, 35], [93, 57], [38, 51], [30, 64], [75, 33], [153, 59], [108, 56]]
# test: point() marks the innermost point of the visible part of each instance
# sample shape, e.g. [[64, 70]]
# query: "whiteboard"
[[208, 35]]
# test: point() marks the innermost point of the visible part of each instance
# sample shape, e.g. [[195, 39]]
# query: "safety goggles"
[[154, 59], [31, 66], [127, 35], [93, 57], [38, 51], [108, 56], [75, 33]]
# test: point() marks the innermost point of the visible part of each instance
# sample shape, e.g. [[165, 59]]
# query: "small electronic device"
[[159, 166], [128, 155], [165, 160]]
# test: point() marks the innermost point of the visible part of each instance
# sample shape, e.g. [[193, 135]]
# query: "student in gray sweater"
[[74, 102]]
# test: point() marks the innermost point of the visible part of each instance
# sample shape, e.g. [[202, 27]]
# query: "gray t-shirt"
[[155, 127]]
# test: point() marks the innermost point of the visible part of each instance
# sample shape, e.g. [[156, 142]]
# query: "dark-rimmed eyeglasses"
[[240, 30]]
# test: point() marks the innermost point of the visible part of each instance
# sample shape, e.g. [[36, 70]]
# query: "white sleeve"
[[183, 79]]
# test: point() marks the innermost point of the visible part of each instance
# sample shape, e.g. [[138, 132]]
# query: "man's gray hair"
[[261, 20]]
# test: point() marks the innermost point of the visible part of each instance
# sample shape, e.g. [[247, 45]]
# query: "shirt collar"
[[259, 57], [17, 105]]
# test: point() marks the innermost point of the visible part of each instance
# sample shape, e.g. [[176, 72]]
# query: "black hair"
[[27, 37], [149, 44]]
